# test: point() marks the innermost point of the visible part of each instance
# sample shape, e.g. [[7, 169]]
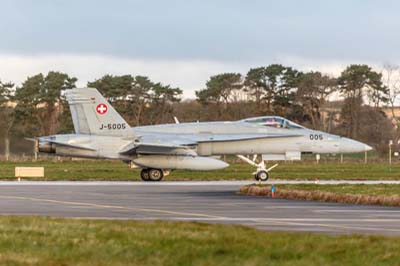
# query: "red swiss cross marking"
[[101, 108]]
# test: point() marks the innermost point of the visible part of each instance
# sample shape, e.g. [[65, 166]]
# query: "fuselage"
[[203, 136], [101, 132]]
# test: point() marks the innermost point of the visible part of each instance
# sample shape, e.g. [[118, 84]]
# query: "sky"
[[184, 42]]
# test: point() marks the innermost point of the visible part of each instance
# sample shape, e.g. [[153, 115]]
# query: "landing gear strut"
[[261, 174], [150, 174]]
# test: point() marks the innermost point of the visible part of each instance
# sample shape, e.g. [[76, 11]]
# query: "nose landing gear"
[[261, 174]]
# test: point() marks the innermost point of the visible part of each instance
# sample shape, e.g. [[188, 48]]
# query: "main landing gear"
[[150, 174], [261, 174]]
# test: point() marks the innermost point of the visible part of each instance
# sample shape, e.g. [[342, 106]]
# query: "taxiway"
[[215, 202]]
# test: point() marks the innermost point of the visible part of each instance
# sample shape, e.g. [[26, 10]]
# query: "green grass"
[[74, 170], [48, 241], [110, 170], [380, 189]]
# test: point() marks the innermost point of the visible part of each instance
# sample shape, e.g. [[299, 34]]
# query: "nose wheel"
[[261, 175]]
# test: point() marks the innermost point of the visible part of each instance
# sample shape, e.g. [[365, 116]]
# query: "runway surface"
[[215, 202], [196, 183]]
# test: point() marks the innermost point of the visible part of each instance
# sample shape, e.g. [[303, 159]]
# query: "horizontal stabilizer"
[[66, 144]]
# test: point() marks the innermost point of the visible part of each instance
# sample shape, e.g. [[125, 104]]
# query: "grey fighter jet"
[[100, 132]]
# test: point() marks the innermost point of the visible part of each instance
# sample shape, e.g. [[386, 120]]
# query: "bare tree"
[[391, 79], [7, 114]]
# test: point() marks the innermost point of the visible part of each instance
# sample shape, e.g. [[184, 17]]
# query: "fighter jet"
[[100, 132]]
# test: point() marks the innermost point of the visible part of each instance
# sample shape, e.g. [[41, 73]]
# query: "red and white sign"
[[101, 108]]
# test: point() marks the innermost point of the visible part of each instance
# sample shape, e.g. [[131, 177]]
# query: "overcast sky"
[[183, 42]]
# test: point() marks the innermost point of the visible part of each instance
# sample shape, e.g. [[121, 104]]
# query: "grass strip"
[[50, 241], [385, 195], [112, 170]]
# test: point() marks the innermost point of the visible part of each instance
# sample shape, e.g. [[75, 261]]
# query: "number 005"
[[316, 137]]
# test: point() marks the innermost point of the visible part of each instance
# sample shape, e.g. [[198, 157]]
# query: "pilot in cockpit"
[[273, 121]]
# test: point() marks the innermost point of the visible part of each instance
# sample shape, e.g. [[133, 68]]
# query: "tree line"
[[349, 105]]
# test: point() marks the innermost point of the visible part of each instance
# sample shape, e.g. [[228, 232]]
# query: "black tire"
[[144, 175], [155, 174], [256, 177], [262, 175]]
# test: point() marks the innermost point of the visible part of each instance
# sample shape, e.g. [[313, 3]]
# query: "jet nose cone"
[[368, 148], [352, 146]]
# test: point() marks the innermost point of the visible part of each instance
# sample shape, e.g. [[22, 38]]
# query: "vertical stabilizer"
[[92, 114]]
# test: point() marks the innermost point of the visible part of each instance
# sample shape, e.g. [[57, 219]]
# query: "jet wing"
[[157, 149]]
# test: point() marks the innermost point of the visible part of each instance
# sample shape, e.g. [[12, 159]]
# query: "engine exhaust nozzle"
[[46, 147]]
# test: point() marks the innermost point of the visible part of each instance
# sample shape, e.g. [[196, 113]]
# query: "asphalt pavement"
[[212, 202]]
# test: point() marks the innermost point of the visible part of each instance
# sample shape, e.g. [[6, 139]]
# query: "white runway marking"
[[306, 221], [355, 211], [192, 183], [87, 204]]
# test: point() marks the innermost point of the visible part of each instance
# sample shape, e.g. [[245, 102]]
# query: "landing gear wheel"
[[155, 174], [262, 175], [144, 174], [256, 177]]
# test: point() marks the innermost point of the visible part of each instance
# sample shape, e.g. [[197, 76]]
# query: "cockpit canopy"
[[273, 121]]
